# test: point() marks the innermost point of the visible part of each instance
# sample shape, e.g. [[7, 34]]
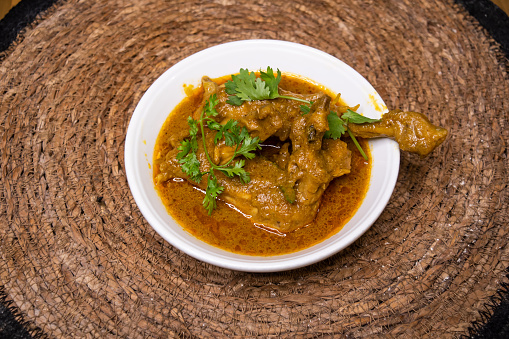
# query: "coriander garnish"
[[339, 125], [233, 136], [245, 86]]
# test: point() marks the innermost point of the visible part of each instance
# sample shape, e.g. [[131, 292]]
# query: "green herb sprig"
[[233, 136], [245, 86], [339, 125]]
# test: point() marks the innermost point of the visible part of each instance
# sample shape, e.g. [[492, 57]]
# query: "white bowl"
[[167, 91]]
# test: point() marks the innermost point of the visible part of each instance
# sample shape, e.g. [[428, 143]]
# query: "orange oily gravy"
[[232, 231]]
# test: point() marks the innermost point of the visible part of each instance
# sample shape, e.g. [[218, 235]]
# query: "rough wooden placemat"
[[79, 260]]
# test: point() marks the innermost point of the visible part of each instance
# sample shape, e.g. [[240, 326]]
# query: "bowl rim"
[[134, 153]]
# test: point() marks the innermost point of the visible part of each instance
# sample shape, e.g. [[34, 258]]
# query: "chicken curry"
[[294, 186]]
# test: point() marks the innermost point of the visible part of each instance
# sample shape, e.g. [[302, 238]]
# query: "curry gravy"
[[230, 230]]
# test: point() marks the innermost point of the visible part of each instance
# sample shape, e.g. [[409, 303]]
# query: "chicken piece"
[[307, 168], [209, 88], [285, 193], [413, 131], [286, 187], [264, 118], [293, 200]]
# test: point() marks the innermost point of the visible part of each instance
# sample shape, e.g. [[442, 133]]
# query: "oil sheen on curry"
[[296, 171]]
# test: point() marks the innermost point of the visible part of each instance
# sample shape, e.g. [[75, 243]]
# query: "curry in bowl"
[[268, 163]]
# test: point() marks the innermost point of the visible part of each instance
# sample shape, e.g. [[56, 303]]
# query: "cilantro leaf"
[[232, 134], [237, 170], [212, 124], [230, 86], [185, 148], [245, 86], [235, 100], [339, 126], [191, 166], [213, 190], [271, 81], [248, 145], [193, 126], [305, 109], [256, 90], [336, 126], [210, 106], [355, 118], [244, 176]]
